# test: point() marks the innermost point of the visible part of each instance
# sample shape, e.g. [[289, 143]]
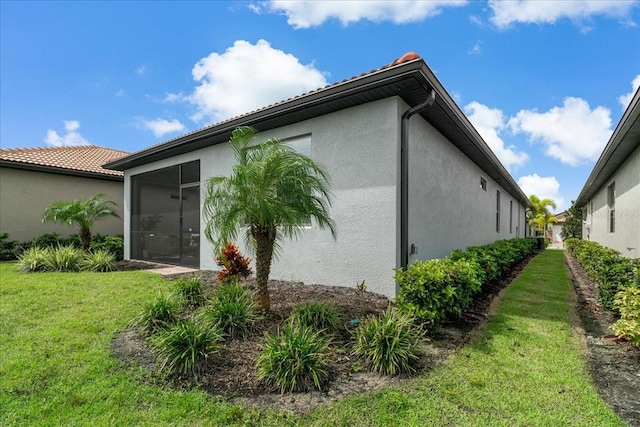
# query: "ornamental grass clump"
[[187, 347], [158, 315], [232, 310], [99, 261], [320, 316], [388, 344], [33, 259], [296, 359], [189, 291], [64, 258]]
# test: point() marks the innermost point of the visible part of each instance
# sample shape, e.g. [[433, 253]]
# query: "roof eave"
[[60, 171], [606, 165]]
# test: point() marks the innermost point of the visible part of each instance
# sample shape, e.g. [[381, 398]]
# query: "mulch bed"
[[234, 374]]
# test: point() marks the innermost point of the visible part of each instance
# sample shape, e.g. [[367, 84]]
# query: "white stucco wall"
[[25, 194], [448, 209], [626, 237], [358, 147]]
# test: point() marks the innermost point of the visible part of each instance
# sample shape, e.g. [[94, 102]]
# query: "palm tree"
[[81, 213], [539, 215], [271, 194]]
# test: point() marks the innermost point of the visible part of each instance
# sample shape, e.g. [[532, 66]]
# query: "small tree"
[[81, 213], [272, 193], [572, 227]]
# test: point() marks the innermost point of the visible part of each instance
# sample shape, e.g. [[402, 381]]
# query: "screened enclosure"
[[165, 215]]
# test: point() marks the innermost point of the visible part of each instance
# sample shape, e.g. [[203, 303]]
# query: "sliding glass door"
[[165, 215]]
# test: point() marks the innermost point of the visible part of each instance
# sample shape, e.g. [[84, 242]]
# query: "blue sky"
[[544, 82]]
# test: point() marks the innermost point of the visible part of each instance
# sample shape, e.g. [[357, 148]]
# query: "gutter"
[[404, 176]]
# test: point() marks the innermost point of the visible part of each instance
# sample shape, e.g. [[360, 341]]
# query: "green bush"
[[33, 259], [628, 304], [232, 310], [112, 244], [99, 261], [297, 359], [610, 271], [435, 289], [189, 291], [320, 316], [187, 347], [157, 315], [11, 249], [388, 344]]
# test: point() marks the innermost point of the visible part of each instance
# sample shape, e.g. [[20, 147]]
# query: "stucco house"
[[556, 227], [610, 199], [412, 179], [32, 178]]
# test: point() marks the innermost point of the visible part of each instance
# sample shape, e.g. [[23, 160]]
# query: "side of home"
[[33, 178], [610, 199], [458, 193]]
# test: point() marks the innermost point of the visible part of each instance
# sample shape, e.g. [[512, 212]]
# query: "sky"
[[544, 82]]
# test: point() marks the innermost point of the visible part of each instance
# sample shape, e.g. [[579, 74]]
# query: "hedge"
[[438, 289]]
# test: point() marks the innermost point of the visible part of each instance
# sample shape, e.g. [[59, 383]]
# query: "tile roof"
[[85, 158]]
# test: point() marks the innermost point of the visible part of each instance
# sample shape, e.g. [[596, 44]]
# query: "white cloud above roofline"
[[71, 138]]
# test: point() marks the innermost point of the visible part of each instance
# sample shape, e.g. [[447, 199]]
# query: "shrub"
[[99, 261], [187, 347], [232, 310], [11, 249], [190, 291], [157, 315], [435, 289], [628, 304], [234, 265], [112, 244], [610, 272], [388, 344], [63, 258], [297, 359], [320, 316], [33, 259]]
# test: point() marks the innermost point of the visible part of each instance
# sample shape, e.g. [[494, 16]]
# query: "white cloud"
[[246, 77], [572, 133], [309, 13], [141, 69], [548, 12], [161, 127], [625, 100], [490, 123], [120, 93], [70, 139], [545, 187]]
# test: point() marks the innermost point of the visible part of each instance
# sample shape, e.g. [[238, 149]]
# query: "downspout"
[[404, 177]]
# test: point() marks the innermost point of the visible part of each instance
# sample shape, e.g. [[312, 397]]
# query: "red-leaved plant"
[[234, 265]]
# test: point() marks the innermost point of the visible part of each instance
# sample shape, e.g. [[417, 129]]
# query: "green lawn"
[[526, 368]]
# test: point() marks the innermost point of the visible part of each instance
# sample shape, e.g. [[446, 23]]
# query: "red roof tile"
[[85, 158]]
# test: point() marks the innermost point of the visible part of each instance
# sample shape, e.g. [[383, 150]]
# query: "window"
[[510, 216], [611, 201], [301, 144], [483, 184], [497, 211]]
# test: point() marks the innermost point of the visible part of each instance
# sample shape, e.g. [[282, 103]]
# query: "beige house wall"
[[25, 194]]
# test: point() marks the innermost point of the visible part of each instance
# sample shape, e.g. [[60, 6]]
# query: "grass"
[[527, 367]]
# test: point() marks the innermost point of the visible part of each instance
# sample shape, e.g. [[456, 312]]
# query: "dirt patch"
[[234, 374], [614, 365]]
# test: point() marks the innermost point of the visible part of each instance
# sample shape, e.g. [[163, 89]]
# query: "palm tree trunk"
[[265, 239], [85, 238]]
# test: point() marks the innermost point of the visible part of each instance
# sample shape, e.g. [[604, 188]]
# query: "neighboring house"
[[32, 178], [556, 227], [411, 176], [610, 199]]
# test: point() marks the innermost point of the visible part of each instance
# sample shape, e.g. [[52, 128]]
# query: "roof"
[[85, 160], [623, 142], [408, 77]]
